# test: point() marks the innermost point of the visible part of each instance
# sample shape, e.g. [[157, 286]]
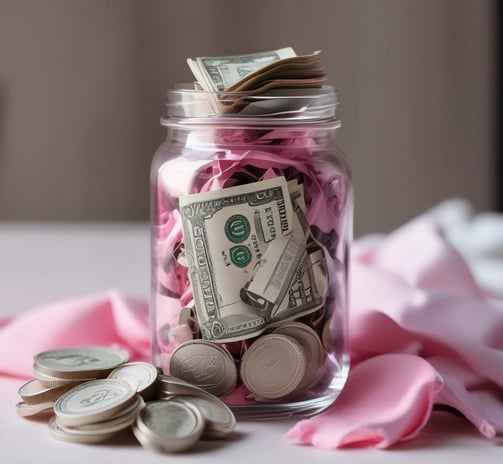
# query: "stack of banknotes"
[[240, 76]]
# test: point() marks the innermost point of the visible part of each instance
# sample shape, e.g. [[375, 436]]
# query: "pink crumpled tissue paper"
[[424, 333]]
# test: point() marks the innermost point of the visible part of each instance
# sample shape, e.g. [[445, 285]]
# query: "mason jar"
[[251, 222]]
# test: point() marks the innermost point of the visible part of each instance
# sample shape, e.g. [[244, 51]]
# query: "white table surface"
[[44, 262]]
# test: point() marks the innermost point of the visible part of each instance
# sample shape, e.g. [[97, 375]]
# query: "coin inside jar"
[[206, 365], [310, 341], [274, 366]]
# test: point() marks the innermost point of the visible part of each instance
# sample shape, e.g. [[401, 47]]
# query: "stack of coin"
[[205, 364], [168, 386], [178, 422], [169, 426], [313, 348], [91, 411], [219, 419], [37, 398], [274, 366], [95, 410], [75, 365], [284, 363], [57, 371]]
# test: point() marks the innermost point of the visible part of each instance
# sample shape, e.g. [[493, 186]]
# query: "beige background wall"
[[82, 84]]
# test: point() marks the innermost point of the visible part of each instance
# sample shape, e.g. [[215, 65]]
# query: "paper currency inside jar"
[[249, 257]]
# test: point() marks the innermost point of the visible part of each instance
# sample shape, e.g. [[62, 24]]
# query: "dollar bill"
[[282, 285], [220, 73], [234, 82], [233, 236]]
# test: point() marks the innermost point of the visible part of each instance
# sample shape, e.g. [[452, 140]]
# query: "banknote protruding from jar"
[[206, 365], [274, 366]]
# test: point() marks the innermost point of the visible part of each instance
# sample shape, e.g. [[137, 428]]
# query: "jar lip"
[[277, 106]]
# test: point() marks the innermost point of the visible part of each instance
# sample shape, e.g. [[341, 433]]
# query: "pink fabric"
[[107, 319], [421, 334], [387, 398]]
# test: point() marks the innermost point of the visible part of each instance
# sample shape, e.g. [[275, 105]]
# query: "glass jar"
[[251, 220]]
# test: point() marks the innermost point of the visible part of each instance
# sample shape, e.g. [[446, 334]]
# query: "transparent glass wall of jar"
[[251, 221]]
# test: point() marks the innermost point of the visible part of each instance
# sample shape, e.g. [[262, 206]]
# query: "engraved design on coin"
[[202, 368], [206, 365], [141, 376], [70, 362], [169, 426], [99, 396], [93, 401]]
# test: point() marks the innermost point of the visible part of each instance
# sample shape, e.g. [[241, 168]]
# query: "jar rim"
[[283, 106]]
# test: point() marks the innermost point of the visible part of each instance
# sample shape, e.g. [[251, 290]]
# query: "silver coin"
[[327, 336], [93, 401], [56, 431], [169, 426], [206, 365], [310, 341], [28, 410], [34, 392], [141, 376], [54, 382], [80, 362], [219, 419], [274, 366], [118, 422], [168, 385]]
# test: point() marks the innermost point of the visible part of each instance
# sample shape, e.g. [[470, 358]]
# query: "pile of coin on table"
[[93, 393]]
